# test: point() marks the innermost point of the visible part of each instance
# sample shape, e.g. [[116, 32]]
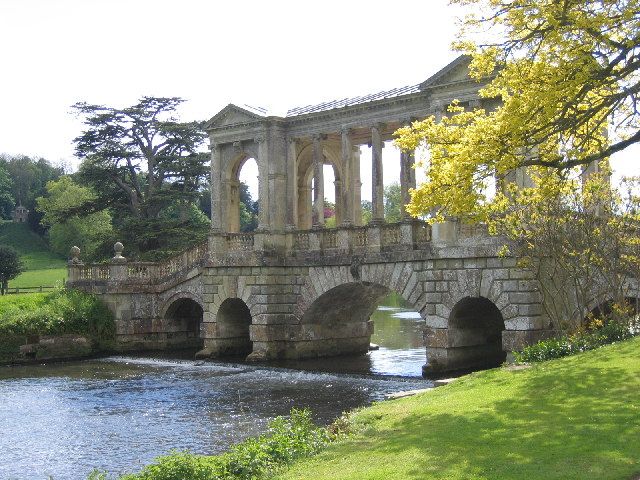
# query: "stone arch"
[[304, 181], [232, 186], [335, 305], [474, 337], [233, 322], [183, 316]]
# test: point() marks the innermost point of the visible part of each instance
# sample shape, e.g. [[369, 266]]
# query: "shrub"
[[581, 341], [57, 313], [286, 440]]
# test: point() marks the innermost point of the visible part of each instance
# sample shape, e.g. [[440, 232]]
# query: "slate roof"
[[346, 102]]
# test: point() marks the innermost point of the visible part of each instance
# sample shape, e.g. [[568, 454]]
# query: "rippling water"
[[119, 413]]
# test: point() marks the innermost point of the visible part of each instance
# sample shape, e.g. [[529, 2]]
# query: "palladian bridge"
[[295, 289]]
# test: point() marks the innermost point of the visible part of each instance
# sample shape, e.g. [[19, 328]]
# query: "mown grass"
[[43, 267], [573, 418]]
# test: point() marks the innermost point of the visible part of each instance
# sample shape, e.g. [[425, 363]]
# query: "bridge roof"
[[432, 81]]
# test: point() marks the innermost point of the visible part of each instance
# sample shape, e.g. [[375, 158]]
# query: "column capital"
[[237, 145], [292, 141], [213, 146], [345, 131], [260, 138]]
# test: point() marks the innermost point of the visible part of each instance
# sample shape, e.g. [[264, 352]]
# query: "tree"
[[6, 199], [10, 266], [393, 208], [248, 210], [29, 177], [140, 160], [565, 78], [90, 232], [581, 240]]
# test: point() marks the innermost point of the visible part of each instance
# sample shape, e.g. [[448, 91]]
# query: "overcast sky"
[[275, 54]]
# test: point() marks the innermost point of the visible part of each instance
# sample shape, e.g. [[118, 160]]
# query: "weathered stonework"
[[294, 289]]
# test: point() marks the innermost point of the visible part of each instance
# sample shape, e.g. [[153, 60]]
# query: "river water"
[[117, 414]]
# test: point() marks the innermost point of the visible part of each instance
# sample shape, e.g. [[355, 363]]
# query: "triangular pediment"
[[232, 115], [456, 71]]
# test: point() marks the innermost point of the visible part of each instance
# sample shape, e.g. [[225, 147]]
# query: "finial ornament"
[[118, 248]]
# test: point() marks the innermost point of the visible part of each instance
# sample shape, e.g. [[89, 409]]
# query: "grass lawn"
[[43, 267], [573, 418]]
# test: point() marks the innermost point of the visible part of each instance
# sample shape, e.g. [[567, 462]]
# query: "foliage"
[[141, 162], [572, 418], [60, 312], [367, 211], [286, 440], [564, 79], [393, 208], [89, 232], [10, 266], [29, 177], [248, 209], [6, 196], [581, 341], [579, 237]]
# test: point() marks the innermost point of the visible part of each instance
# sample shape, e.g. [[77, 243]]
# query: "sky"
[[277, 54]]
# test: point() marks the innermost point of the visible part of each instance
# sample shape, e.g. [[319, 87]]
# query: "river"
[[118, 413]]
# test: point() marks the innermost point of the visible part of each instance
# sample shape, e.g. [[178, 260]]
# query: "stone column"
[[356, 194], [234, 206], [263, 183], [348, 188], [304, 213], [407, 179], [377, 184], [318, 180], [339, 213], [216, 186], [292, 184]]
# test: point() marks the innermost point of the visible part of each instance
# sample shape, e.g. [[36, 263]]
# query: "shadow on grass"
[[575, 419]]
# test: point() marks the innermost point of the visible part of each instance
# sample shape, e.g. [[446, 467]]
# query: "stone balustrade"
[[233, 248]]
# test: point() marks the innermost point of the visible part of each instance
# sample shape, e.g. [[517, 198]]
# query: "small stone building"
[[20, 214]]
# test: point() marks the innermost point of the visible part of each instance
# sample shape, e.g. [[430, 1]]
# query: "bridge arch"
[[474, 335], [233, 324], [337, 302], [183, 316]]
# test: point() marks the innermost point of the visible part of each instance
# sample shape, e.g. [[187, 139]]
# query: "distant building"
[[20, 214]]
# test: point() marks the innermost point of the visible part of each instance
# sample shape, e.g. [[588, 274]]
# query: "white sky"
[[277, 54]]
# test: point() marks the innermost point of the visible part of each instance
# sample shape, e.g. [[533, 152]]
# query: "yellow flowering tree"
[[561, 80], [565, 76]]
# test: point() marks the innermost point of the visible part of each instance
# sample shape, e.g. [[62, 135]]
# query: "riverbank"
[[63, 324], [573, 418]]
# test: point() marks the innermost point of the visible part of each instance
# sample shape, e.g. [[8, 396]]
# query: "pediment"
[[456, 71], [232, 115]]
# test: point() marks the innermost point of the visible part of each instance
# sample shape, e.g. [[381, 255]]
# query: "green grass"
[[573, 418], [43, 267]]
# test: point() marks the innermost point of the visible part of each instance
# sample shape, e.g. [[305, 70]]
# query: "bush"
[[286, 440], [58, 313], [610, 332]]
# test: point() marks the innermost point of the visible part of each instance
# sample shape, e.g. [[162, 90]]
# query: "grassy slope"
[[43, 266], [574, 418]]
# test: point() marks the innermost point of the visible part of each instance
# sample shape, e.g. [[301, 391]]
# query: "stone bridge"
[[233, 296], [296, 289]]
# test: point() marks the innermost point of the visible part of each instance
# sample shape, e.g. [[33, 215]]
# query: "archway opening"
[[244, 196], [346, 319], [475, 334], [233, 322], [184, 320]]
